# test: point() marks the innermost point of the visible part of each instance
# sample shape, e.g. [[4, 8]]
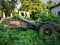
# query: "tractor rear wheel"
[[47, 30]]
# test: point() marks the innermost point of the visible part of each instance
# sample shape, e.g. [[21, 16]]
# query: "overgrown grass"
[[28, 37]]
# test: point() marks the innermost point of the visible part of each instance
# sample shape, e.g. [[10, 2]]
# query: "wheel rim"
[[47, 32]]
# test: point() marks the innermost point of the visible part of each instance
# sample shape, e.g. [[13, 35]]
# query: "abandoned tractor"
[[46, 28]]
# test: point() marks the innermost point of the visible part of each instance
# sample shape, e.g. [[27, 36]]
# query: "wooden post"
[[4, 15], [11, 15]]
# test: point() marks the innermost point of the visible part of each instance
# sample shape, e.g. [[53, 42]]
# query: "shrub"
[[14, 37], [28, 37], [49, 40], [46, 16], [2, 27], [16, 17]]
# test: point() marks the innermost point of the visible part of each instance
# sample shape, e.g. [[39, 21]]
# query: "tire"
[[47, 30]]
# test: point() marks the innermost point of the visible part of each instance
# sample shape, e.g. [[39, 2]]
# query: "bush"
[[2, 27], [47, 16], [16, 16], [28, 37], [14, 37], [49, 40]]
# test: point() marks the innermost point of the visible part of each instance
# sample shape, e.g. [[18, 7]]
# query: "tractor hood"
[[29, 21]]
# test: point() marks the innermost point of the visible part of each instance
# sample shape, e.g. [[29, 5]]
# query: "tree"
[[7, 6], [32, 6]]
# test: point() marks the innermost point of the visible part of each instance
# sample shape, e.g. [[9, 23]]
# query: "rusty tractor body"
[[46, 28]]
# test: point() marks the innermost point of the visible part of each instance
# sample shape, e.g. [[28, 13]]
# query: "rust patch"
[[17, 23]]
